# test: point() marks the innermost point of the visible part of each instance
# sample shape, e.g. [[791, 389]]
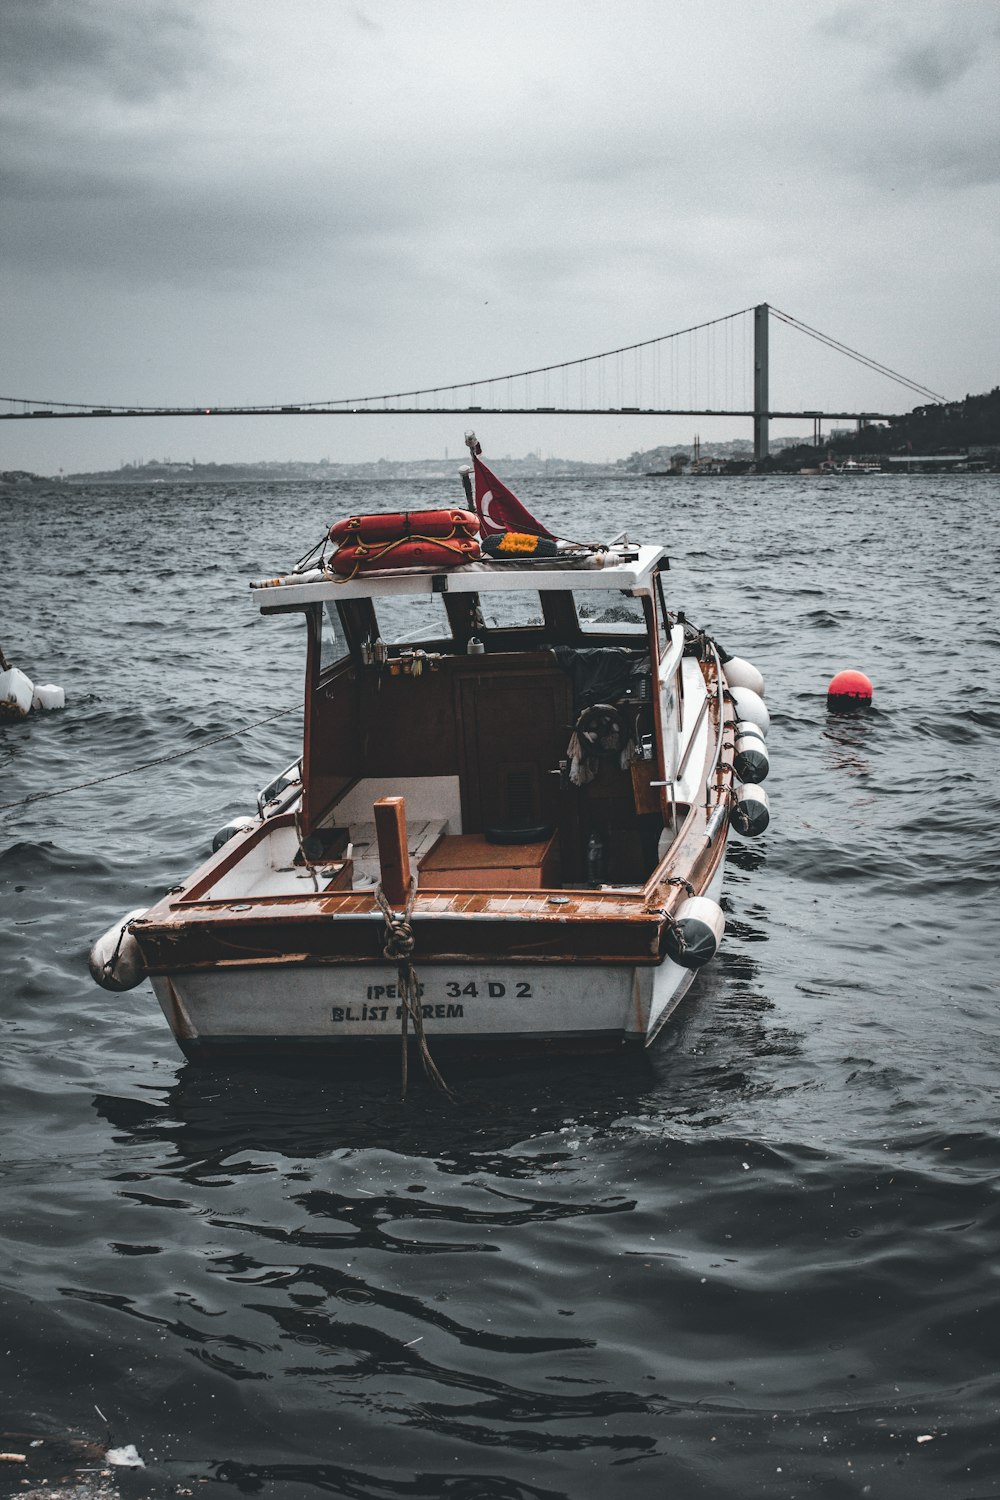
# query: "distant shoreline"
[[39, 482]]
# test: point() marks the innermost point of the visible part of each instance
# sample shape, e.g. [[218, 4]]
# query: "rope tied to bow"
[[398, 948]]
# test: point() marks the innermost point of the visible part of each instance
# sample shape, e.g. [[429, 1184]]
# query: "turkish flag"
[[498, 509]]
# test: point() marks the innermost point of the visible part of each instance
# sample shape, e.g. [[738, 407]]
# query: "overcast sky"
[[224, 201]]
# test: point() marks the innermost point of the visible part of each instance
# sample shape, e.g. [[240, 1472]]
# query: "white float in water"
[[115, 959], [751, 707], [15, 693], [741, 673], [696, 932], [48, 696], [750, 812]]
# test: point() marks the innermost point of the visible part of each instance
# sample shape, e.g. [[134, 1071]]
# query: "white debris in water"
[[47, 696], [125, 1458]]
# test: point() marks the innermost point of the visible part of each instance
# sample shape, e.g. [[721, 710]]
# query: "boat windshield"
[[490, 620], [609, 612], [510, 609], [415, 617]]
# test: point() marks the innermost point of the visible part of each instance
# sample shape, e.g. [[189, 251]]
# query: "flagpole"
[[474, 447]]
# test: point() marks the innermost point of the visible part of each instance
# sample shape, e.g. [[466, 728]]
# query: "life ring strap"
[[374, 552]]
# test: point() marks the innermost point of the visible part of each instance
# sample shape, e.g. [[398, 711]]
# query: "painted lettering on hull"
[[380, 1002], [494, 989], [379, 1013]]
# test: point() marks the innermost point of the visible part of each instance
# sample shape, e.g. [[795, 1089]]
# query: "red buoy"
[[849, 692]]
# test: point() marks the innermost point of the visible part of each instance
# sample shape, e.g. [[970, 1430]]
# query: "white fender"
[[115, 961], [696, 932], [750, 758], [750, 706], [238, 825], [744, 674], [750, 812]]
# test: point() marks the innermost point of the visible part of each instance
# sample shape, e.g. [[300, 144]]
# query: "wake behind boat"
[[508, 826]]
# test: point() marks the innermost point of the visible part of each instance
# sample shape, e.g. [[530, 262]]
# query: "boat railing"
[[720, 689]]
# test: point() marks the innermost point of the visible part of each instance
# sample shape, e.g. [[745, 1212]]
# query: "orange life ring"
[[405, 523], [404, 552]]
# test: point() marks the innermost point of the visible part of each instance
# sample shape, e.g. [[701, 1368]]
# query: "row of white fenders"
[[699, 924]]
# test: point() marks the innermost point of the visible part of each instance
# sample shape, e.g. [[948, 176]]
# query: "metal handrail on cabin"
[[720, 680]]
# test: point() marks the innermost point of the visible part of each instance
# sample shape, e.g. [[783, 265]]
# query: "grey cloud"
[[130, 52], [931, 67], [146, 226], [922, 49]]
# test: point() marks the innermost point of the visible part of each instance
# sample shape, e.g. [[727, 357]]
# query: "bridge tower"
[[761, 399]]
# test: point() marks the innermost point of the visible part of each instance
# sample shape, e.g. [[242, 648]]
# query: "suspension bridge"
[[720, 368]]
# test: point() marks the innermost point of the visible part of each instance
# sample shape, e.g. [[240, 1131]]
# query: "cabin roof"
[[473, 578]]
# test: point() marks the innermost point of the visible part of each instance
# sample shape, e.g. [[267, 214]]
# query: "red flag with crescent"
[[498, 509]]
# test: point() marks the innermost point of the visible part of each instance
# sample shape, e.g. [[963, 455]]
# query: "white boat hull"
[[345, 1007]]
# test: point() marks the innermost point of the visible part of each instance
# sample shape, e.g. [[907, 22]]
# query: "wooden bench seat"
[[469, 862]]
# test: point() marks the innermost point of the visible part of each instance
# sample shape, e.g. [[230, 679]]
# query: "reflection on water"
[[210, 1114], [848, 737]]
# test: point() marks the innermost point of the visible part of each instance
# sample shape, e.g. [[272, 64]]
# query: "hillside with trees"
[[971, 427]]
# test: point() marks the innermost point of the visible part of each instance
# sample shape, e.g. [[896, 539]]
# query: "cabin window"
[[332, 647], [609, 612], [404, 620], [511, 608]]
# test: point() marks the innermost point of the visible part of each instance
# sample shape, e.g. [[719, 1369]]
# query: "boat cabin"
[[468, 693]]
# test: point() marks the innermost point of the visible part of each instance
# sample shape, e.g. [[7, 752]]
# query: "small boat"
[[507, 830], [851, 466]]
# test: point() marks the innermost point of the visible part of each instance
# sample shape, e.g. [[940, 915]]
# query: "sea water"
[[758, 1261]]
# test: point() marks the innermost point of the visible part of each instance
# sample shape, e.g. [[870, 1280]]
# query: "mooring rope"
[[146, 765], [398, 948]]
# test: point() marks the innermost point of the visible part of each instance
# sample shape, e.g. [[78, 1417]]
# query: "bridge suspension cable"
[[861, 359]]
